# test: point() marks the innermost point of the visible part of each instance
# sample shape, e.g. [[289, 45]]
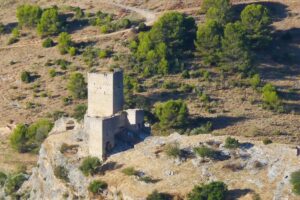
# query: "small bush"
[[64, 43], [66, 148], [80, 111], [267, 141], [185, 74], [104, 29], [172, 150], [72, 51], [62, 63], [212, 191], [204, 129], [255, 81], [14, 183], [3, 178], [270, 98], [47, 43], [97, 187], [62, 173], [26, 77], [205, 152], [295, 181], [103, 54], [231, 143], [130, 171], [52, 73], [90, 166]]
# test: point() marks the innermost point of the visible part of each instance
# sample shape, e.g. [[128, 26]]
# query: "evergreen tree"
[[49, 23], [235, 55], [218, 10], [161, 49], [28, 15], [256, 22], [208, 41], [77, 86]]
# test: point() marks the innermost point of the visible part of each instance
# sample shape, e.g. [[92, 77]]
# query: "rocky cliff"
[[254, 168]]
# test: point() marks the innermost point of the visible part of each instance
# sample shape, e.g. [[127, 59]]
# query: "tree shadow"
[[221, 122], [282, 57], [278, 11], [246, 145], [237, 193], [9, 27], [110, 166], [70, 24]]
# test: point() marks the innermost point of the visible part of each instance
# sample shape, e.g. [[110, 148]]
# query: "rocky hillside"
[[253, 168]]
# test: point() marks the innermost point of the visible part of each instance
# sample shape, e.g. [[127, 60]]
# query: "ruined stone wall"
[[102, 132], [136, 119]]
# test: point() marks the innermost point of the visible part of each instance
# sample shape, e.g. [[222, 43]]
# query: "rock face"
[[43, 184], [264, 169]]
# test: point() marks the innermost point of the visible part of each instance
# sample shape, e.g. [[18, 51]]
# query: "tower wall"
[[105, 93]]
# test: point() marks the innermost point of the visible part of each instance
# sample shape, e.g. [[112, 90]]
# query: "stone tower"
[[105, 93], [105, 117]]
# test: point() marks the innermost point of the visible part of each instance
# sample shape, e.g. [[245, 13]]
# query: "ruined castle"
[[105, 118]]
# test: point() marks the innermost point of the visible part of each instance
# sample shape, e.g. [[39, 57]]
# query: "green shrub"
[[62, 63], [15, 33], [130, 171], [26, 77], [295, 181], [155, 195], [231, 143], [47, 43], [204, 129], [103, 54], [172, 113], [90, 166], [267, 141], [77, 86], [204, 151], [28, 15], [29, 138], [97, 187], [255, 81], [270, 98], [104, 29], [72, 51], [90, 56], [80, 111], [14, 183], [52, 73], [173, 150], [64, 42], [3, 178], [185, 74], [212, 191], [49, 23], [62, 173]]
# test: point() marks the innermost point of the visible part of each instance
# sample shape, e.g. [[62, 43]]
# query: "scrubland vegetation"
[[174, 56]]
